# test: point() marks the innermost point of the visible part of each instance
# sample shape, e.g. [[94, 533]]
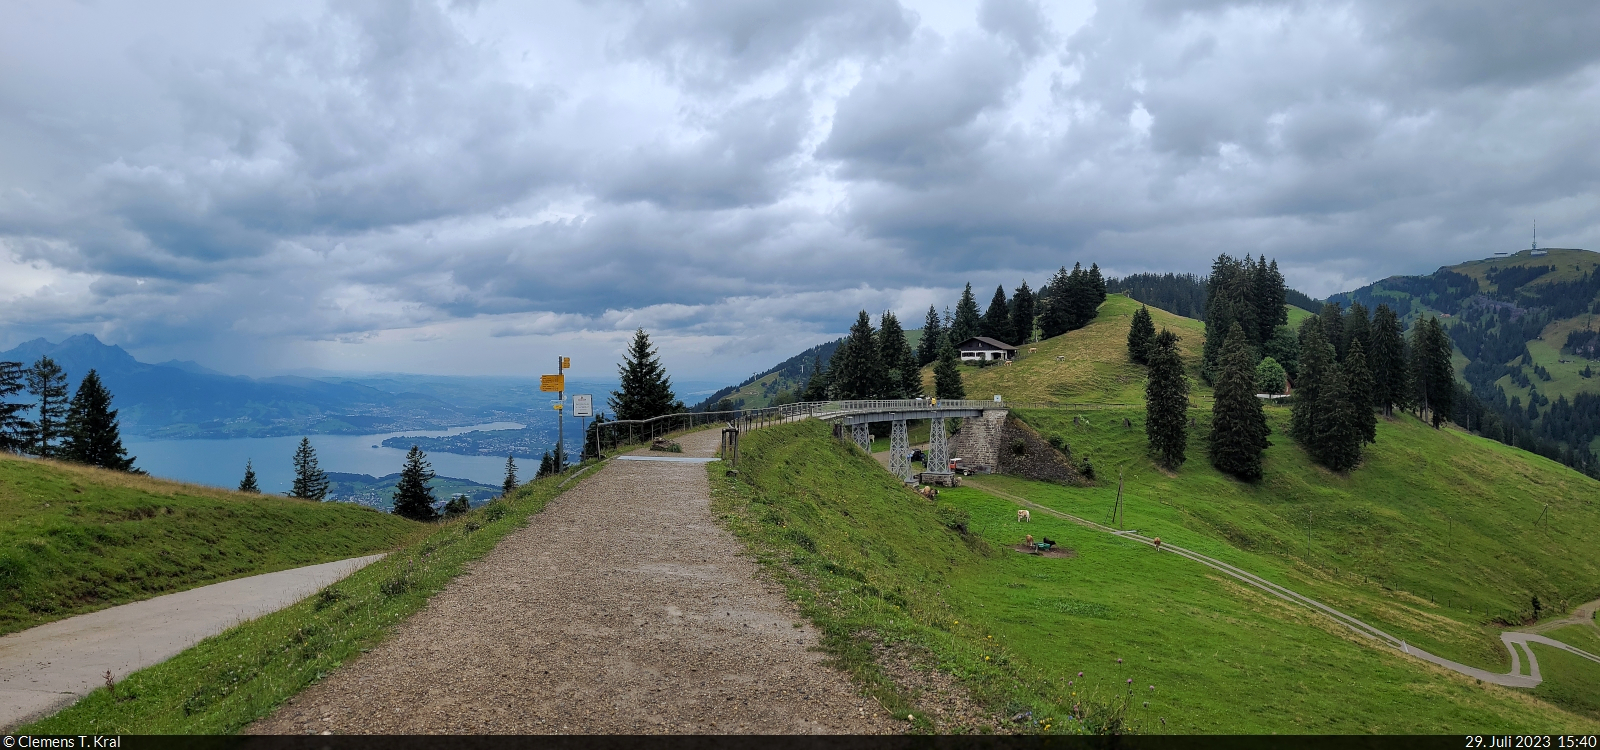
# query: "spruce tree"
[[248, 484], [1022, 315], [48, 384], [1332, 317], [1166, 396], [1140, 335], [457, 506], [996, 323], [547, 466], [902, 376], [1432, 374], [1390, 381], [947, 375], [1359, 377], [310, 482], [933, 335], [967, 322], [1357, 327], [817, 386], [1055, 314], [510, 484], [1082, 297], [1096, 284], [413, 498], [1230, 298], [857, 368], [1316, 362], [1238, 426], [1338, 430], [93, 436], [14, 428], [1271, 296], [646, 390]]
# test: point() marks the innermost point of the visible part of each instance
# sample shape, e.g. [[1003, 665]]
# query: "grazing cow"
[[1158, 542], [1033, 349], [1061, 358], [928, 492], [1049, 541], [1029, 540], [1022, 515]]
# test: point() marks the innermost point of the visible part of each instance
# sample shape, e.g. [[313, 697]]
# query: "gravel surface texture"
[[622, 608]]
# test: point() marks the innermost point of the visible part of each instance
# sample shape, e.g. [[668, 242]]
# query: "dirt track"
[[622, 608]]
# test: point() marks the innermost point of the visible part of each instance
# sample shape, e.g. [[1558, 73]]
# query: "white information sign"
[[582, 405]]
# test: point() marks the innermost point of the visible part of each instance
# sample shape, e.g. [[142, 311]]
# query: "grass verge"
[[74, 539], [1065, 644], [229, 680]]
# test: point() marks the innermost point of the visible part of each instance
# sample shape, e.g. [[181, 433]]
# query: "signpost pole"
[[561, 433]]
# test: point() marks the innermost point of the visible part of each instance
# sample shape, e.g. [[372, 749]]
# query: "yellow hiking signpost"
[[557, 384], [552, 383]]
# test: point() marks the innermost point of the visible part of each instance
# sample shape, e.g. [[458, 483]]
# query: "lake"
[[220, 463]]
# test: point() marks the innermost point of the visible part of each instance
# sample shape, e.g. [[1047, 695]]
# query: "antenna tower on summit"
[[1536, 234]]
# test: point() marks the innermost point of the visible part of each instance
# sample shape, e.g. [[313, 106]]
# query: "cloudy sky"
[[476, 187]]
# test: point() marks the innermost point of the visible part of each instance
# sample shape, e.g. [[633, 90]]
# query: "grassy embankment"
[[74, 539], [227, 681], [871, 563]]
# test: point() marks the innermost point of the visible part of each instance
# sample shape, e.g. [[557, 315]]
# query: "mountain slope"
[[185, 401]]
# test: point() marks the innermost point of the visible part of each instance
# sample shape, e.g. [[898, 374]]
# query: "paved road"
[[1514, 678], [622, 608], [46, 668]]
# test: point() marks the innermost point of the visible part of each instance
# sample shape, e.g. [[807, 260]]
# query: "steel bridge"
[[854, 414]]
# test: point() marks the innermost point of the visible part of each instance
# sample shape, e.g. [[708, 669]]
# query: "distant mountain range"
[[184, 399]]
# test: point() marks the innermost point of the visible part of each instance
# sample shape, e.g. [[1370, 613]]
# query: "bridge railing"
[[609, 435]]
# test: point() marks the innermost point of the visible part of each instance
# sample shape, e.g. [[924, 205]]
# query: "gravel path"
[[622, 608]]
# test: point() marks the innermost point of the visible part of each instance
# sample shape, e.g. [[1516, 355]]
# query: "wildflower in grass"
[[1130, 680], [1119, 661], [1080, 674]]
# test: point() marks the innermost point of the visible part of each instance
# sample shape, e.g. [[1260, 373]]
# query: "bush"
[[1019, 447], [457, 506], [1086, 468], [1057, 443], [954, 518]]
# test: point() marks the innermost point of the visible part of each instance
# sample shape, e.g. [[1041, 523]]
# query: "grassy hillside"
[[75, 539], [900, 585], [1095, 366], [1433, 537]]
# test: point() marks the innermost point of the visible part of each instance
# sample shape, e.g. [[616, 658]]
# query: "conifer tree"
[[248, 484], [14, 428], [817, 386], [1316, 364], [457, 506], [901, 374], [996, 323], [1357, 327], [547, 466], [48, 384], [1140, 335], [1230, 298], [510, 484], [1055, 313], [1359, 378], [646, 390], [1021, 315], [933, 336], [1338, 431], [1332, 317], [967, 322], [1271, 294], [310, 482], [1390, 375], [1096, 284], [947, 374], [857, 369], [1284, 348], [1432, 374], [1238, 426], [413, 498], [1166, 396], [93, 435], [1270, 377], [1082, 298]]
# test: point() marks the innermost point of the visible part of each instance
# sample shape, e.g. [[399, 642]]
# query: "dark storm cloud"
[[746, 174]]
